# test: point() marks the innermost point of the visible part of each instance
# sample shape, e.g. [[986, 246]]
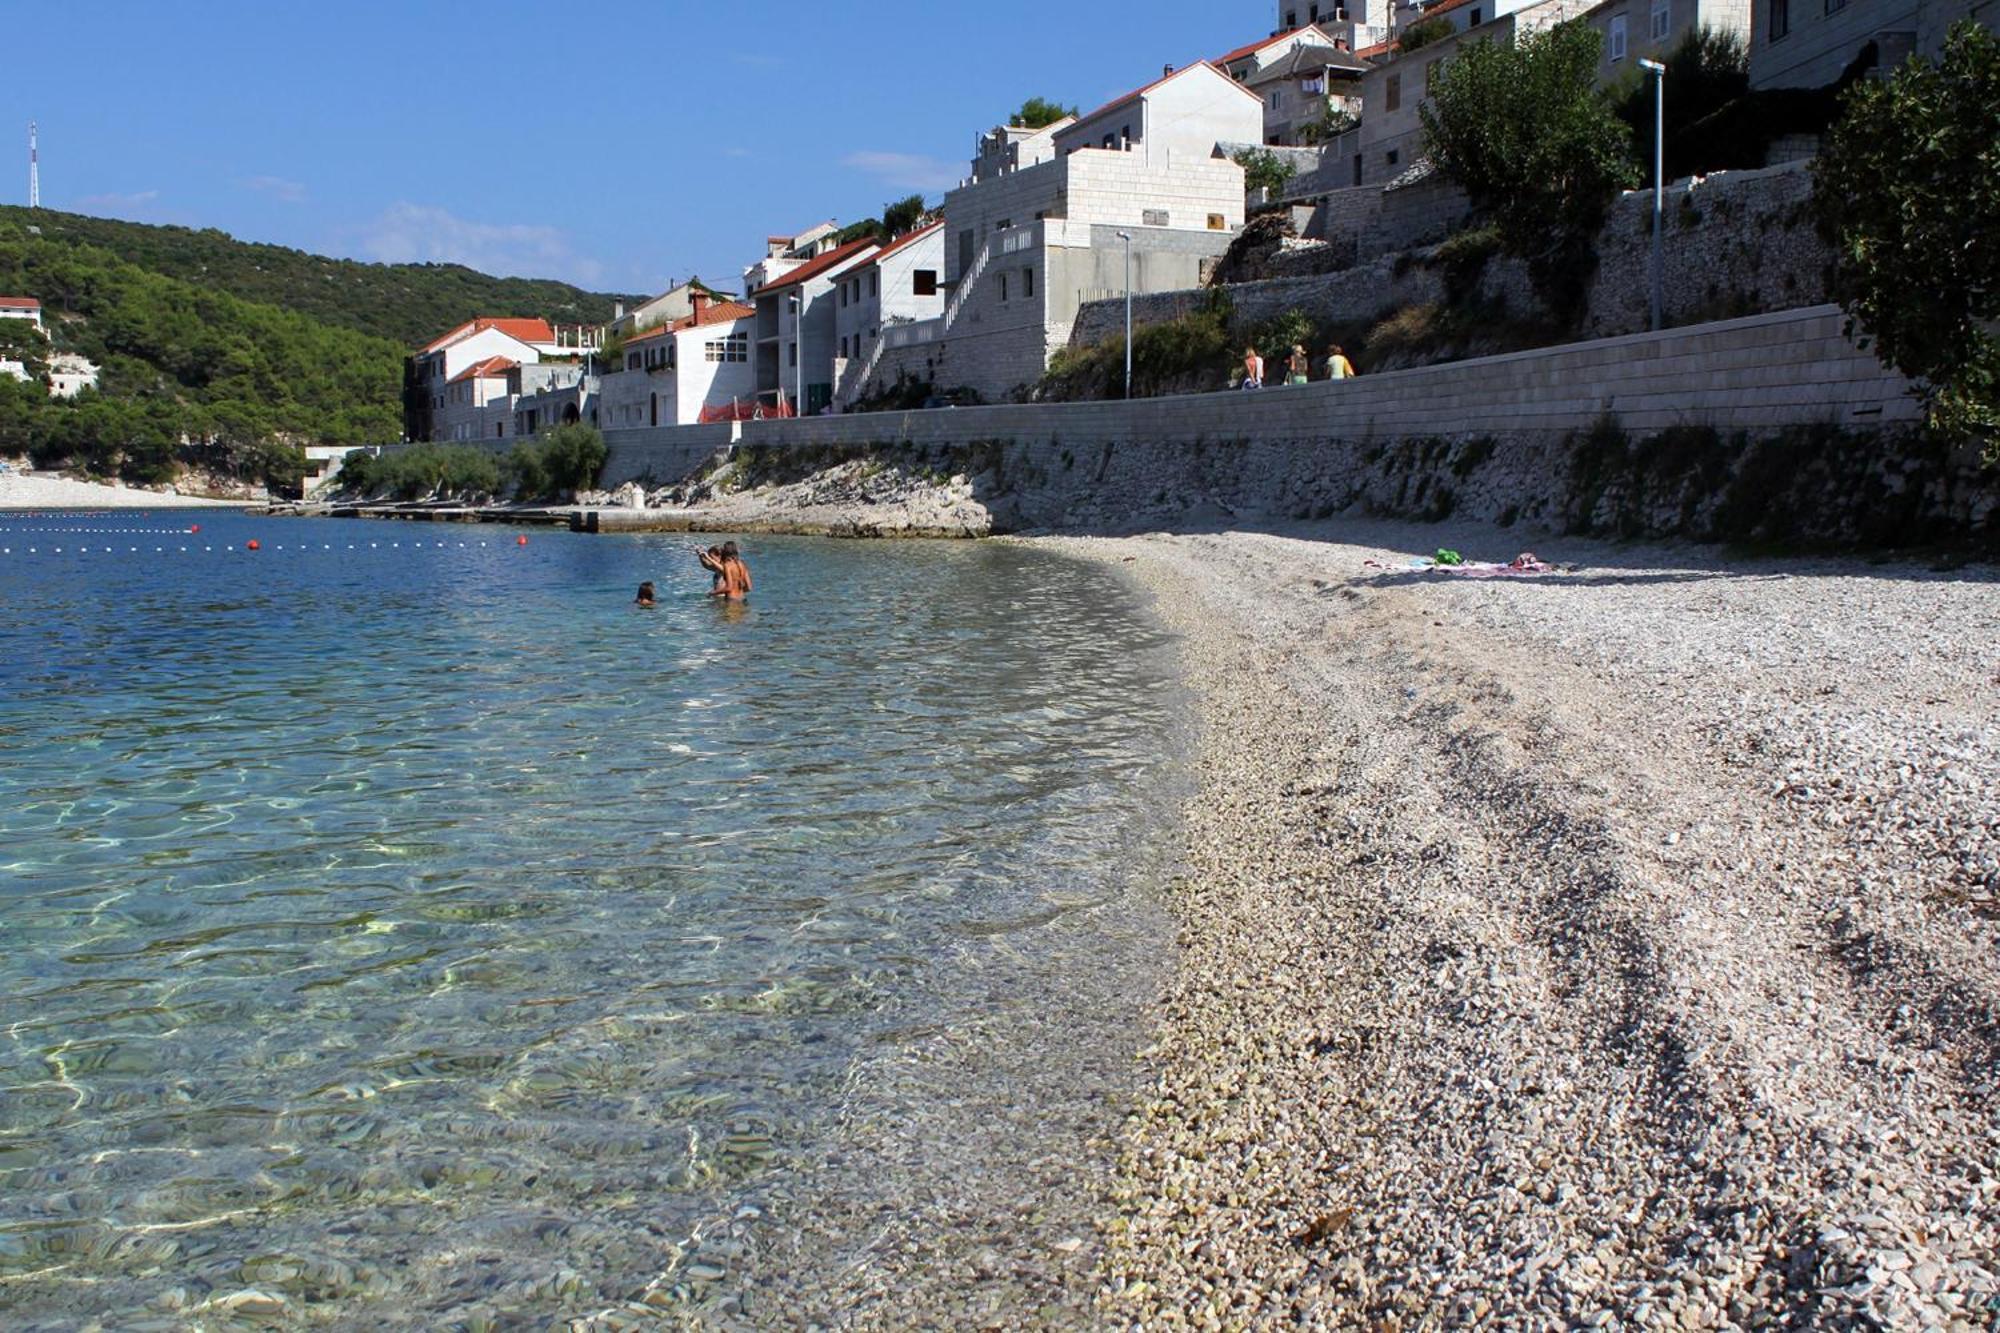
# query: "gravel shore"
[[1616, 946], [19, 491]]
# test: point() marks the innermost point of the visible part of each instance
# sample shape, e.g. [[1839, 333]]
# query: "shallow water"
[[399, 923]]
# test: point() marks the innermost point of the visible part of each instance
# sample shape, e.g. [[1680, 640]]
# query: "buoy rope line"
[[117, 532], [254, 545]]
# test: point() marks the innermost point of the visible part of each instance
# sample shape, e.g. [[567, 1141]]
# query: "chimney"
[[1167, 71], [617, 310], [1340, 44], [698, 302]]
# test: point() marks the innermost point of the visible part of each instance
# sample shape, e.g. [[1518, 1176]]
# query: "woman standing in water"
[[732, 575]]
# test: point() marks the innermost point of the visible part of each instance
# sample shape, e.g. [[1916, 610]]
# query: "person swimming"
[[645, 597]]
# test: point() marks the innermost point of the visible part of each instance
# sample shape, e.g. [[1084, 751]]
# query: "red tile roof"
[[1437, 7], [19, 303], [720, 313], [491, 368], [907, 238], [527, 330], [1379, 49], [1138, 93], [813, 268]]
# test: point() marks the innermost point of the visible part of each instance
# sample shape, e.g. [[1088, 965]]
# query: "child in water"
[[645, 597]]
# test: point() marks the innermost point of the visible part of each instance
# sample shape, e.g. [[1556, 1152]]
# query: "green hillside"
[[406, 303], [187, 373]]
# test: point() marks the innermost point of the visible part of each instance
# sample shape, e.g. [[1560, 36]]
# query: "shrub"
[[555, 465], [1907, 193], [1523, 130], [1424, 32], [1265, 170]]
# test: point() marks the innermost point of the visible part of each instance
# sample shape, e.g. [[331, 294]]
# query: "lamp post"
[[1659, 73], [798, 355], [1126, 237]]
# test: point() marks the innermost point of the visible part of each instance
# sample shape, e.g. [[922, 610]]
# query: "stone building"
[[674, 374], [1025, 245], [889, 297], [1813, 43]]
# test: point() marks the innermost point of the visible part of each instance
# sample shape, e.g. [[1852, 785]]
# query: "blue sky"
[[615, 145]]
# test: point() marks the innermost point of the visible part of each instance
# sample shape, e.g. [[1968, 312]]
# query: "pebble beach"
[[1615, 947], [20, 491]]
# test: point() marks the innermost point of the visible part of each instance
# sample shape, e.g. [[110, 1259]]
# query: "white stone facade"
[[897, 291], [1022, 251], [674, 376]]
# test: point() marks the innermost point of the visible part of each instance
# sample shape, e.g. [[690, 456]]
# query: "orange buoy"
[[252, 545], [521, 540]]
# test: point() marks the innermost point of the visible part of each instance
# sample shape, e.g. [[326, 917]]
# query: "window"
[[843, 347], [1277, 98], [1393, 157], [875, 283], [965, 250], [1835, 6], [923, 282], [1781, 18], [1663, 17], [1217, 222], [793, 359], [1357, 168], [843, 295], [1110, 141], [1125, 136], [1003, 286], [1291, 19], [1027, 282], [1477, 18], [1616, 45], [631, 361], [1155, 217], [1392, 95]]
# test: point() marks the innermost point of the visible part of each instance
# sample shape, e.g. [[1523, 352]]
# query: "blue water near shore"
[[396, 921]]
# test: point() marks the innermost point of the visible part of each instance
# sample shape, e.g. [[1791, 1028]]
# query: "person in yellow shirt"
[[1338, 367]]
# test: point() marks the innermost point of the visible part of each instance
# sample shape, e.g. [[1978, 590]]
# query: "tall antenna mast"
[[34, 170]]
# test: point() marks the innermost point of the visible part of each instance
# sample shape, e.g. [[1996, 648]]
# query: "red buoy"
[[521, 540], [194, 527], [252, 545]]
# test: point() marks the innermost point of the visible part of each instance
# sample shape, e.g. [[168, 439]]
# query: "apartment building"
[[796, 340], [1300, 89], [1635, 30], [1814, 43], [1025, 247]]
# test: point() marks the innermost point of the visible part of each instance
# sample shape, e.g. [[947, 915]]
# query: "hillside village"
[[1145, 194]]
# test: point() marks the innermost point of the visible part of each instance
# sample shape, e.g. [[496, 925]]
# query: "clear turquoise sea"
[[397, 922]]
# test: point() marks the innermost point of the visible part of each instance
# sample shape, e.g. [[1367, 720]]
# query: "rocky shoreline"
[[1615, 947]]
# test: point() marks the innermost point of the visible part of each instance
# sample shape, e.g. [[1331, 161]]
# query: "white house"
[[677, 302], [1301, 88], [435, 367], [70, 374], [1360, 22], [1025, 247], [1180, 116], [795, 327], [1006, 148], [887, 297], [22, 307], [784, 254], [465, 399], [674, 375]]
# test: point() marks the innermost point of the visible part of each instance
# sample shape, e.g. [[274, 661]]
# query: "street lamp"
[[1126, 237], [1659, 73], [798, 355]]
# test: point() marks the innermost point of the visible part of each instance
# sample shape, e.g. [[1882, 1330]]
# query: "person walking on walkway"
[[1338, 367], [1298, 366], [1253, 369]]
